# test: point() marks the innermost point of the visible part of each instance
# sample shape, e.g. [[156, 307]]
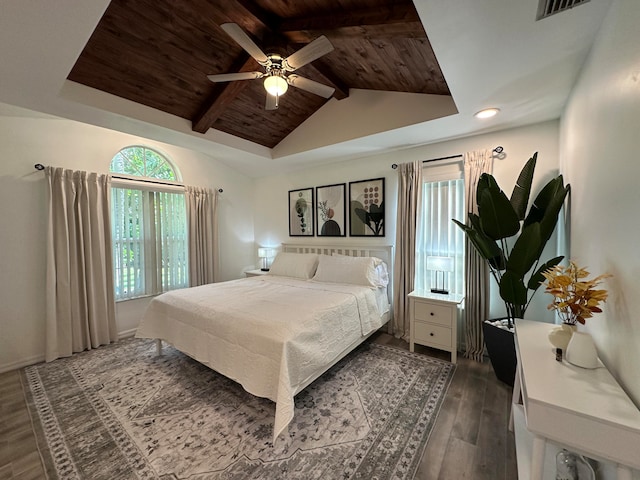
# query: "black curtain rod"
[[39, 166], [498, 149]]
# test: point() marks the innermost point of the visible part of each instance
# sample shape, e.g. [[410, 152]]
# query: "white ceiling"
[[492, 53]]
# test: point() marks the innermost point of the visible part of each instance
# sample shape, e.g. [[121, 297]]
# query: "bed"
[[277, 333]]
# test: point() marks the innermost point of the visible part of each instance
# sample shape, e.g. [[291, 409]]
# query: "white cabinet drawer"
[[431, 334], [433, 320], [434, 313]]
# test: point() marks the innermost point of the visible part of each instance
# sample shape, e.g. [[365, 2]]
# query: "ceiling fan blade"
[[271, 103], [319, 47], [242, 39], [310, 86], [230, 77]]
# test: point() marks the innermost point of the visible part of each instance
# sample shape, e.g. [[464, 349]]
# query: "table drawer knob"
[[431, 334], [432, 314]]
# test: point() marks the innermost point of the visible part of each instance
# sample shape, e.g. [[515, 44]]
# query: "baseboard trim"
[[127, 333], [25, 362]]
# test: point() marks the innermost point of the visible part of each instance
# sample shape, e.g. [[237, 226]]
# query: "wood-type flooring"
[[469, 441]]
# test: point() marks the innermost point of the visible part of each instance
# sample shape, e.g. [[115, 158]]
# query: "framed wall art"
[[331, 212], [301, 212], [366, 208]]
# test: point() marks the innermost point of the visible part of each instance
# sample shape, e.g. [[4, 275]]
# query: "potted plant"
[[515, 266]]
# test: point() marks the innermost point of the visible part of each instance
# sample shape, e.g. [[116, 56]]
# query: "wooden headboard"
[[383, 252]]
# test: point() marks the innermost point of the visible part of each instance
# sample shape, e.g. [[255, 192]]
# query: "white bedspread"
[[270, 334]]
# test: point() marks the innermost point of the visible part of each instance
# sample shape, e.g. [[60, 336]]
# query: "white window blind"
[[442, 200], [149, 229], [149, 241], [128, 234], [171, 240]]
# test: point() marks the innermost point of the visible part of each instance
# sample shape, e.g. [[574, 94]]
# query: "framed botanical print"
[[301, 212], [331, 212], [366, 208]]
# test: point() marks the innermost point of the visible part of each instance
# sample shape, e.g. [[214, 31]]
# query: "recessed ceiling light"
[[487, 113]]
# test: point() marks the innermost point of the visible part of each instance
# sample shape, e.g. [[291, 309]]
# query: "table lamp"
[[440, 264], [265, 254]]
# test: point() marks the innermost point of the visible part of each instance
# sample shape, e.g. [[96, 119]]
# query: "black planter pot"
[[502, 352]]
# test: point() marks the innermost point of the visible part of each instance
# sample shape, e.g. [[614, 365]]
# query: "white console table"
[[584, 410]]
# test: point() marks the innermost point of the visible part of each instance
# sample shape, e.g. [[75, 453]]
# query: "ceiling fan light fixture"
[[275, 85], [487, 113]]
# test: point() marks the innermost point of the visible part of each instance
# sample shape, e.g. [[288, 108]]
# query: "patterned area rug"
[[121, 412]]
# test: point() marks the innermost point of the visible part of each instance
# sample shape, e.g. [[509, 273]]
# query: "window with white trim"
[[442, 200], [148, 224]]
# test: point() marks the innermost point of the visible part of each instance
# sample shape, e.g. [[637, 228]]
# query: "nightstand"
[[255, 273], [433, 320]]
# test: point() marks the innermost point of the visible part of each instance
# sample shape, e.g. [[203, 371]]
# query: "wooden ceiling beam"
[[363, 32], [223, 95], [397, 21], [264, 18]]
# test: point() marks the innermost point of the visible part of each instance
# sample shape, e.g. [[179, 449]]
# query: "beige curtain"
[[409, 201], [203, 232], [476, 270], [80, 297]]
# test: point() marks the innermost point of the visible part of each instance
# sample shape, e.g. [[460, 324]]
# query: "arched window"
[[143, 162], [148, 224]]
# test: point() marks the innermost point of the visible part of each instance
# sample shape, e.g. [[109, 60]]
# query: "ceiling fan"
[[278, 70]]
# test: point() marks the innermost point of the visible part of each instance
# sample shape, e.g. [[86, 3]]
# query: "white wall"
[[27, 139], [271, 199], [245, 206], [600, 155]]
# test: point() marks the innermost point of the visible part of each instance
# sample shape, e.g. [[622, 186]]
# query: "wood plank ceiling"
[[159, 52]]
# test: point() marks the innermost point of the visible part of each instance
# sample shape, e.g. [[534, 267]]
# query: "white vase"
[[581, 351], [559, 336]]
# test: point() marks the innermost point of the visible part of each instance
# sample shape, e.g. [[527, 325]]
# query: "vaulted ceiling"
[[158, 53], [491, 52]]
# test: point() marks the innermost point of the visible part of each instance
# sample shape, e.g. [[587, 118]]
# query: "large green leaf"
[[496, 260], [550, 219], [522, 188], [498, 219], [546, 209], [485, 181], [487, 248], [512, 289], [526, 250], [537, 278], [548, 195]]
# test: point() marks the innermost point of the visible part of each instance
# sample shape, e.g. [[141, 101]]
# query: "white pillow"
[[298, 265], [353, 270], [382, 273]]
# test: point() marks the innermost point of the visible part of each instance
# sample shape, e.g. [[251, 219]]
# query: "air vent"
[[546, 8]]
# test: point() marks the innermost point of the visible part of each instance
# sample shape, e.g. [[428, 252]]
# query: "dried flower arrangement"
[[575, 297]]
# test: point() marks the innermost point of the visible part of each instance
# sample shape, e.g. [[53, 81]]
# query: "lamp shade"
[[275, 85], [440, 264], [264, 252]]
